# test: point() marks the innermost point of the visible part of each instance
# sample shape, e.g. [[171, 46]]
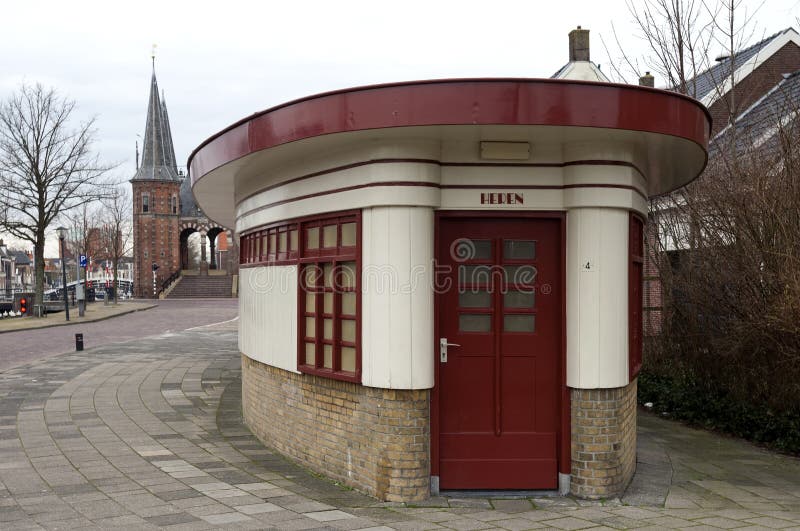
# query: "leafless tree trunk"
[[677, 33], [731, 300], [47, 168], [116, 230], [733, 29], [727, 247], [82, 224]]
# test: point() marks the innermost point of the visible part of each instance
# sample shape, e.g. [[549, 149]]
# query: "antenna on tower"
[[137, 155]]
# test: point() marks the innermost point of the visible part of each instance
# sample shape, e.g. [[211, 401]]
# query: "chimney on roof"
[[647, 80], [579, 45]]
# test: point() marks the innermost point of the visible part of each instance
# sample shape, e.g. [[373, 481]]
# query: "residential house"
[[757, 89]]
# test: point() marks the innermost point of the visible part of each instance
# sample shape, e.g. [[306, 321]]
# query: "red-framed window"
[[328, 253], [635, 280], [278, 244]]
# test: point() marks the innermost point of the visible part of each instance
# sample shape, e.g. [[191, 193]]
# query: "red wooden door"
[[500, 309]]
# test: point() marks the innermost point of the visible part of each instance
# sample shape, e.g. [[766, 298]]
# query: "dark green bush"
[[684, 398]]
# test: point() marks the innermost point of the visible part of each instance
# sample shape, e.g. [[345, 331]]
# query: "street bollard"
[[78, 342]]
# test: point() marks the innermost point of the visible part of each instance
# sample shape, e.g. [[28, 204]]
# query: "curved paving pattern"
[[148, 434]]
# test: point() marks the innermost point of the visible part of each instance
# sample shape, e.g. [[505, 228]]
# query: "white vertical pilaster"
[[397, 297], [597, 298]]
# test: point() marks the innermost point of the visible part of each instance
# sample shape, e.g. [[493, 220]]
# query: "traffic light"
[[23, 306]]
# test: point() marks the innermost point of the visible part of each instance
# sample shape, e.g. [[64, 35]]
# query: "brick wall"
[[652, 305], [755, 85], [603, 441], [374, 440], [156, 235]]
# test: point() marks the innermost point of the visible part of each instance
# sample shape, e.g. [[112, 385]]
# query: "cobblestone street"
[[148, 434], [25, 346]]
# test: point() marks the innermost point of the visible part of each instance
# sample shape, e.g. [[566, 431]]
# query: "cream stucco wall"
[[268, 315], [597, 298], [398, 187], [397, 297]]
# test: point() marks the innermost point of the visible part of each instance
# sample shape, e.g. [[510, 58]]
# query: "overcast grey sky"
[[220, 61]]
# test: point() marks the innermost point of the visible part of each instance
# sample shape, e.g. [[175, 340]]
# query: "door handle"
[[443, 344]]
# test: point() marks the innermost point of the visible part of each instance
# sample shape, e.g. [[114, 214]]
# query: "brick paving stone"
[[466, 524], [512, 506], [539, 515], [438, 516], [71, 523], [670, 522], [250, 487], [258, 508], [171, 519], [770, 522], [276, 517], [554, 501], [129, 520], [328, 516], [99, 438], [472, 503], [299, 524], [568, 523], [516, 524], [307, 506], [415, 525], [492, 515], [720, 522], [350, 524], [154, 510], [591, 513]]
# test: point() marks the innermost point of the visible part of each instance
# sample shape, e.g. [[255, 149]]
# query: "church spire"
[[158, 155]]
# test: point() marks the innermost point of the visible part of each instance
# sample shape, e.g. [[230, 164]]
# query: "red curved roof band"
[[458, 102]]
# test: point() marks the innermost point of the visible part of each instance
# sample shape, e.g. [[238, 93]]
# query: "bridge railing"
[[168, 282], [7, 294]]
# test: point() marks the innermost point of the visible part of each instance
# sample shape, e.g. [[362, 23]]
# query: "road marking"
[[213, 324]]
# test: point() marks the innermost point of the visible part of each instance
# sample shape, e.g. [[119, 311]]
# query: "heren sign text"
[[502, 199]]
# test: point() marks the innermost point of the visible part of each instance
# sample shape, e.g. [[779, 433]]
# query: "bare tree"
[[47, 167], [733, 29], [678, 34], [116, 236], [82, 224], [730, 248], [725, 339]]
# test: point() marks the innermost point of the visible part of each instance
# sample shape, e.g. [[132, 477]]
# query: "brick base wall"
[[374, 440], [603, 441]]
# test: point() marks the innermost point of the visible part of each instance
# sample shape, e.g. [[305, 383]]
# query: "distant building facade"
[[766, 90], [165, 213], [16, 269]]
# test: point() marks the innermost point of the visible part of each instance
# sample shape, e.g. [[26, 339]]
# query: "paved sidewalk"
[[148, 435], [95, 311]]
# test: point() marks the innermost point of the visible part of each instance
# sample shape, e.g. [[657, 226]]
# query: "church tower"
[[156, 207]]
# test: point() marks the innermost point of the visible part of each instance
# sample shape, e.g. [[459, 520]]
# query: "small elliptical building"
[[441, 280]]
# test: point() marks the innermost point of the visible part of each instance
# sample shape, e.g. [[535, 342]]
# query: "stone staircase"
[[202, 287]]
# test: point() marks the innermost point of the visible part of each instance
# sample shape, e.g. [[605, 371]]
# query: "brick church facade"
[[165, 214]]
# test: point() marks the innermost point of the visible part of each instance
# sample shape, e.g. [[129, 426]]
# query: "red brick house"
[[761, 74]]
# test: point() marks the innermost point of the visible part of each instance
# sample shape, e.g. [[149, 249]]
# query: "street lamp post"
[[62, 234]]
